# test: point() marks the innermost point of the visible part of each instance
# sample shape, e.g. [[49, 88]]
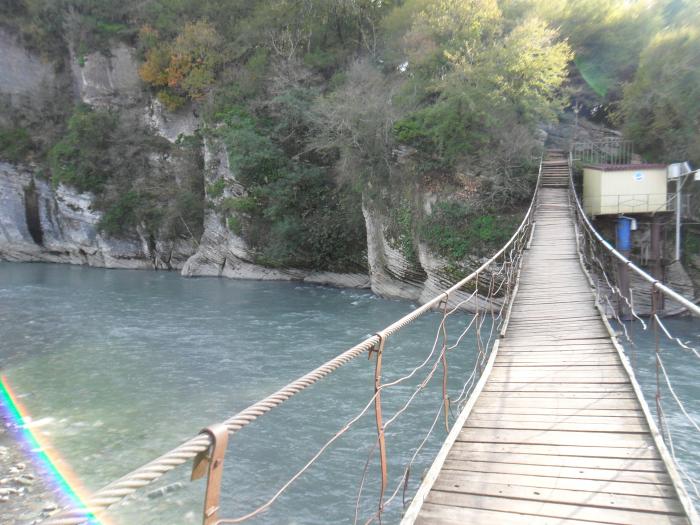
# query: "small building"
[[613, 189]]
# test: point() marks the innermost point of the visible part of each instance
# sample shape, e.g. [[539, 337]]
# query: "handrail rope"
[[343, 430], [656, 322], [403, 480], [514, 259], [155, 469], [382, 387], [695, 309], [676, 339], [655, 319]]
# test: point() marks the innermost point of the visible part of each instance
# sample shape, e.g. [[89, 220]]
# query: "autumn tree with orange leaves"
[[185, 68]]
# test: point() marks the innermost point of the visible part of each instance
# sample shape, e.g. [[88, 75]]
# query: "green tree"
[[79, 158], [661, 107]]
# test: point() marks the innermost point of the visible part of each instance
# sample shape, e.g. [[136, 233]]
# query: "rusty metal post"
[[656, 250], [211, 463], [380, 424], [657, 356], [443, 359]]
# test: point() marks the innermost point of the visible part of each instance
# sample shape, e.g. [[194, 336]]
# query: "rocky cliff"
[[42, 223], [39, 222], [222, 253]]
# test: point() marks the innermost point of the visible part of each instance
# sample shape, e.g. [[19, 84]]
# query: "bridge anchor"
[[211, 463]]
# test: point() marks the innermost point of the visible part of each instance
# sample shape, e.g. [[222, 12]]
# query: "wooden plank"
[[556, 437], [557, 387], [517, 361], [534, 334], [563, 358], [533, 353], [558, 348], [538, 369], [611, 426], [562, 395], [558, 403], [557, 510], [556, 352], [589, 327], [513, 374], [549, 405], [558, 433], [543, 317], [601, 495], [560, 379], [554, 378], [559, 351], [650, 465], [550, 341], [498, 409], [639, 452], [559, 472], [447, 515], [549, 418], [555, 349]]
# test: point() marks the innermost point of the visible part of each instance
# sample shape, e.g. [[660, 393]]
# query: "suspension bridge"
[[552, 425]]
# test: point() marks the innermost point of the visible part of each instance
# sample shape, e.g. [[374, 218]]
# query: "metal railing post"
[[379, 350], [211, 463]]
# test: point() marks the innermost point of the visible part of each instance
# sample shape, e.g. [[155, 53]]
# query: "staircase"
[[555, 170]]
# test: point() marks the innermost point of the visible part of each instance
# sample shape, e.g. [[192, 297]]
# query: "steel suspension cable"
[[152, 471], [589, 234]]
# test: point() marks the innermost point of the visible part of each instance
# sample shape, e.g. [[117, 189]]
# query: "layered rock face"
[[222, 253], [419, 278], [23, 74], [40, 223]]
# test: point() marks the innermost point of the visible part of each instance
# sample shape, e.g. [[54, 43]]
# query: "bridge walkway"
[[557, 434]]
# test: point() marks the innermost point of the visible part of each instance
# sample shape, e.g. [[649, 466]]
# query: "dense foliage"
[[661, 108], [114, 159], [323, 105]]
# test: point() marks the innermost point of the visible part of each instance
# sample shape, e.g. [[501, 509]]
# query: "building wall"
[[631, 190]]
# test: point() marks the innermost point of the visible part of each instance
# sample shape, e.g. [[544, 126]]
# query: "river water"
[[120, 366]]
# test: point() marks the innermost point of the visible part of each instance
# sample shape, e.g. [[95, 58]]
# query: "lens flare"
[[593, 76], [45, 457]]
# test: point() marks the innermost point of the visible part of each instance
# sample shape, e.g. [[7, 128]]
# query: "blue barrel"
[[624, 234]]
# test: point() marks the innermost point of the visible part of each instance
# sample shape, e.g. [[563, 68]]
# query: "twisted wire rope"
[[589, 234], [119, 489]]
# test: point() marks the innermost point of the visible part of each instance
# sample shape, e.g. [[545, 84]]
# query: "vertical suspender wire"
[[478, 323], [443, 359], [657, 356], [380, 423]]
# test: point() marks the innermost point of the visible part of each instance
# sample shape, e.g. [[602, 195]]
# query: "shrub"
[[216, 188], [114, 159], [15, 144], [234, 224], [121, 216], [79, 158], [185, 68], [455, 231]]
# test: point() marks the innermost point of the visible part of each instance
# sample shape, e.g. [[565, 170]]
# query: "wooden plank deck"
[[557, 434]]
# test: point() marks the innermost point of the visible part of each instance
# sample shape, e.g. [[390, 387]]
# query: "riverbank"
[[24, 498]]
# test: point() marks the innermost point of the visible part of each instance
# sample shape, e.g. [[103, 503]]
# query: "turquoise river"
[[117, 367]]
